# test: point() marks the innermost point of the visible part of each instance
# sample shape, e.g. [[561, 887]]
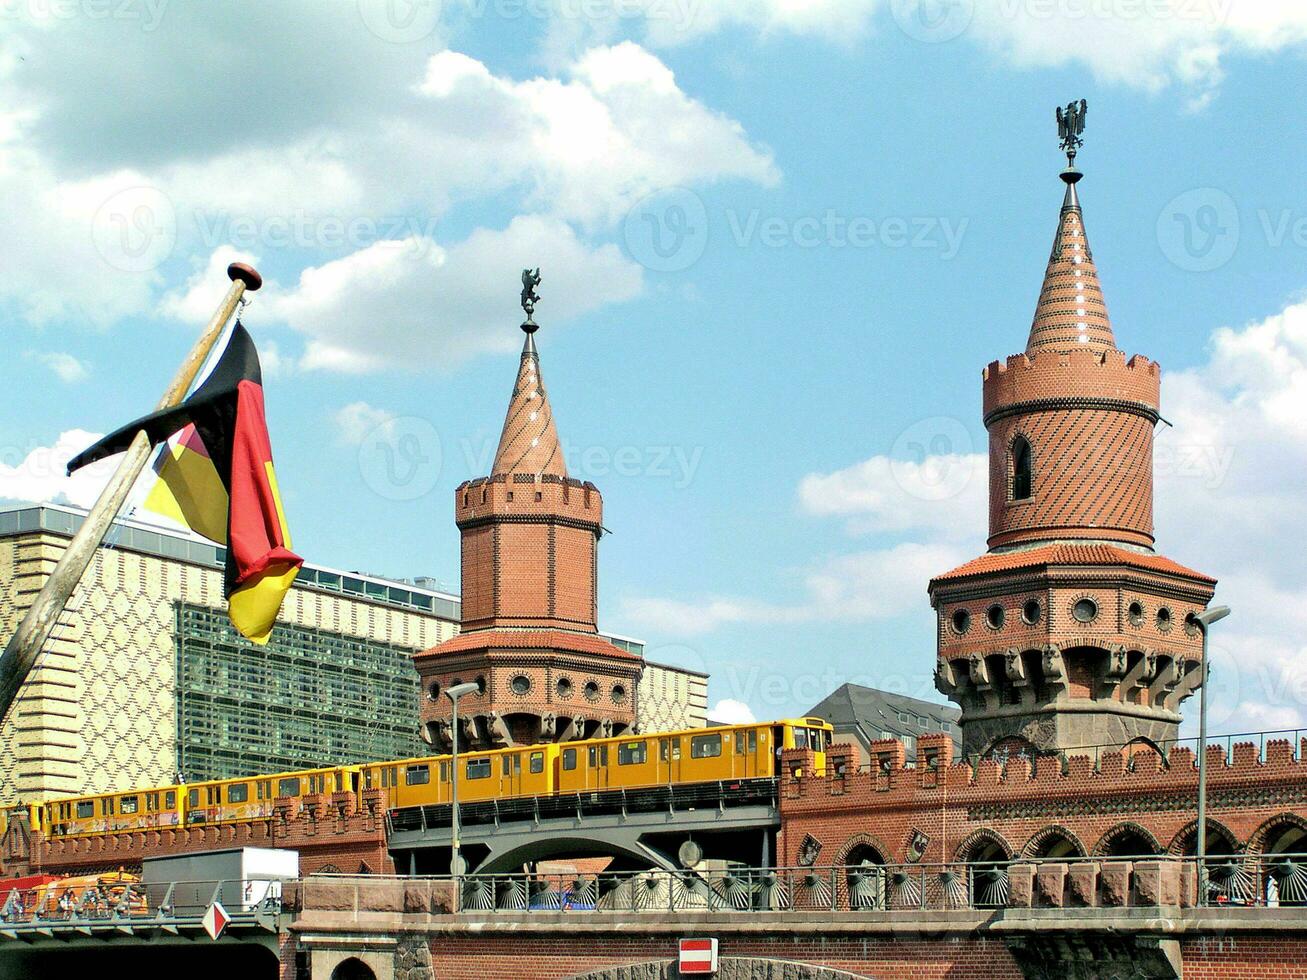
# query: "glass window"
[[664, 749], [1021, 470], [85, 808], [417, 775], [569, 759], [800, 738], [106, 806], [238, 792], [478, 768], [739, 743], [631, 753], [507, 766], [170, 800], [537, 762], [444, 772], [289, 786], [129, 804], [705, 746], [193, 797]]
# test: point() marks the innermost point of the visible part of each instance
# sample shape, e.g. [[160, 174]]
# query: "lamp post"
[[1204, 621], [456, 859]]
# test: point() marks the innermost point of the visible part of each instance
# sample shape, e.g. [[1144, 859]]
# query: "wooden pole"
[[25, 646]]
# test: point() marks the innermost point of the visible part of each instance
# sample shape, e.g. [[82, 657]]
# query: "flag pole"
[[25, 646]]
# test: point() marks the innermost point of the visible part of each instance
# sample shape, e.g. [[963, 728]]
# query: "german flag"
[[216, 478]]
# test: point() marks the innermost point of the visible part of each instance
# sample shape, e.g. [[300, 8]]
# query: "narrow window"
[[1021, 479], [569, 759], [419, 775], [537, 762]]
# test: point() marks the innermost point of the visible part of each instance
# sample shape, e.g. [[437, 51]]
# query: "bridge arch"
[[1054, 842], [1220, 839], [1127, 839], [983, 845], [353, 968]]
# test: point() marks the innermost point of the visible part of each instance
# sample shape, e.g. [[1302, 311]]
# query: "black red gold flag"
[[216, 478]]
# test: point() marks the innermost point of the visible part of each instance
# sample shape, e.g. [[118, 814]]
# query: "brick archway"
[[860, 841], [1124, 829], [977, 839], [1215, 831], [729, 968], [1048, 836], [1257, 840]]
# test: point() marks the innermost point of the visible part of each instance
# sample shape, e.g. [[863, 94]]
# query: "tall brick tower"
[[529, 568], [1071, 630]]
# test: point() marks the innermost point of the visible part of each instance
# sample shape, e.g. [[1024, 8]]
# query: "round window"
[[619, 694], [520, 684], [1163, 619], [1191, 624], [433, 692], [481, 683], [591, 691], [994, 617], [1135, 613], [960, 620], [563, 687], [1085, 610], [1031, 612]]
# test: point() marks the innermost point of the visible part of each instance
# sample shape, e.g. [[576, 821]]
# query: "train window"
[[444, 772], [367, 778], [193, 798], [106, 805], [238, 792], [508, 768], [170, 800], [598, 755], [315, 783], [537, 762], [151, 802], [417, 775], [215, 796], [753, 740], [517, 763], [664, 749], [289, 786], [478, 768], [800, 738], [705, 746], [569, 759], [631, 754], [129, 804], [818, 740], [85, 808], [739, 743]]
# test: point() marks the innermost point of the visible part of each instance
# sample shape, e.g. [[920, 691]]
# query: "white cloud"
[[36, 474], [65, 367], [357, 420], [415, 305], [195, 302], [728, 711]]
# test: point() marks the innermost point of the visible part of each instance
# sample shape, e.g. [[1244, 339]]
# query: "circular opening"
[[481, 683], [591, 690], [520, 684], [433, 692], [1031, 612], [1191, 624], [563, 687], [1163, 618], [456, 681], [1135, 612], [961, 620], [994, 617], [619, 693], [1085, 610]]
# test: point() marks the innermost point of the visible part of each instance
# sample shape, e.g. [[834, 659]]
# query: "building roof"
[[1071, 313], [874, 713], [530, 639], [529, 442], [1068, 554]]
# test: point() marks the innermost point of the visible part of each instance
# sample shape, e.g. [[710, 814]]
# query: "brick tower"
[[1071, 630], [529, 570]]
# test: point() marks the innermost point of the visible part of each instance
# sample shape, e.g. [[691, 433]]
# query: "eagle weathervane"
[[1070, 124], [530, 279]]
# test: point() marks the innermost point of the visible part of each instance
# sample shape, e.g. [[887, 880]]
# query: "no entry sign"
[[698, 955]]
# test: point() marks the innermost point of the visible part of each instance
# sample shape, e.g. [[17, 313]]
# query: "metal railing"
[[79, 903]]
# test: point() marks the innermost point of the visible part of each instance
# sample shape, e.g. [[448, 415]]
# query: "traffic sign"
[[216, 920], [698, 956]]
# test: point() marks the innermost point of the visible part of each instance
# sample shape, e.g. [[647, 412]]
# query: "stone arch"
[[1127, 839], [1284, 833], [1054, 842], [1005, 747], [1220, 839], [862, 844], [1141, 744], [353, 968], [729, 968], [983, 845]]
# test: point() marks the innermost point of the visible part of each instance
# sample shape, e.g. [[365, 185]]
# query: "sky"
[[778, 241]]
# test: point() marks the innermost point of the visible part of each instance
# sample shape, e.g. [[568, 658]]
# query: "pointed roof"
[[1069, 554], [1071, 313], [529, 443]]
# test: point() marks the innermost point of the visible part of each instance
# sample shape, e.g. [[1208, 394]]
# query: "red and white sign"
[[698, 955], [216, 919]]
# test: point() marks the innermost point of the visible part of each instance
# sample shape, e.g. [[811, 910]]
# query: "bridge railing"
[[111, 900]]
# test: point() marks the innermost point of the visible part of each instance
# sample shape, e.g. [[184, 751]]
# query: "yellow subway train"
[[701, 755]]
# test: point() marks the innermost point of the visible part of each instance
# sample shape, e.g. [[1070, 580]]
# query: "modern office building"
[[145, 676]]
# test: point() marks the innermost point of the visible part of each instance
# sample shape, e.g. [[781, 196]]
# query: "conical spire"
[[1071, 313], [529, 442]]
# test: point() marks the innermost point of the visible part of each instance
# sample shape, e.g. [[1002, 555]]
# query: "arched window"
[[1021, 476]]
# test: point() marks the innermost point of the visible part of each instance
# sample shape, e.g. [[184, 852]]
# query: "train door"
[[746, 753], [510, 782], [669, 758], [598, 759]]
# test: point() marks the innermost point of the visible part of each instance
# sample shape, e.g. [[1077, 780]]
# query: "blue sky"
[[777, 249]]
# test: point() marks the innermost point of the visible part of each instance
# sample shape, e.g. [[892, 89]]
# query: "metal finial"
[[1070, 124], [530, 279]]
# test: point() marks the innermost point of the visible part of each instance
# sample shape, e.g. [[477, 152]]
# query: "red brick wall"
[[1244, 957]]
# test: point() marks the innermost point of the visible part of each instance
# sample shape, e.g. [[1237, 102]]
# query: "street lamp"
[[1204, 621], [456, 859]]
